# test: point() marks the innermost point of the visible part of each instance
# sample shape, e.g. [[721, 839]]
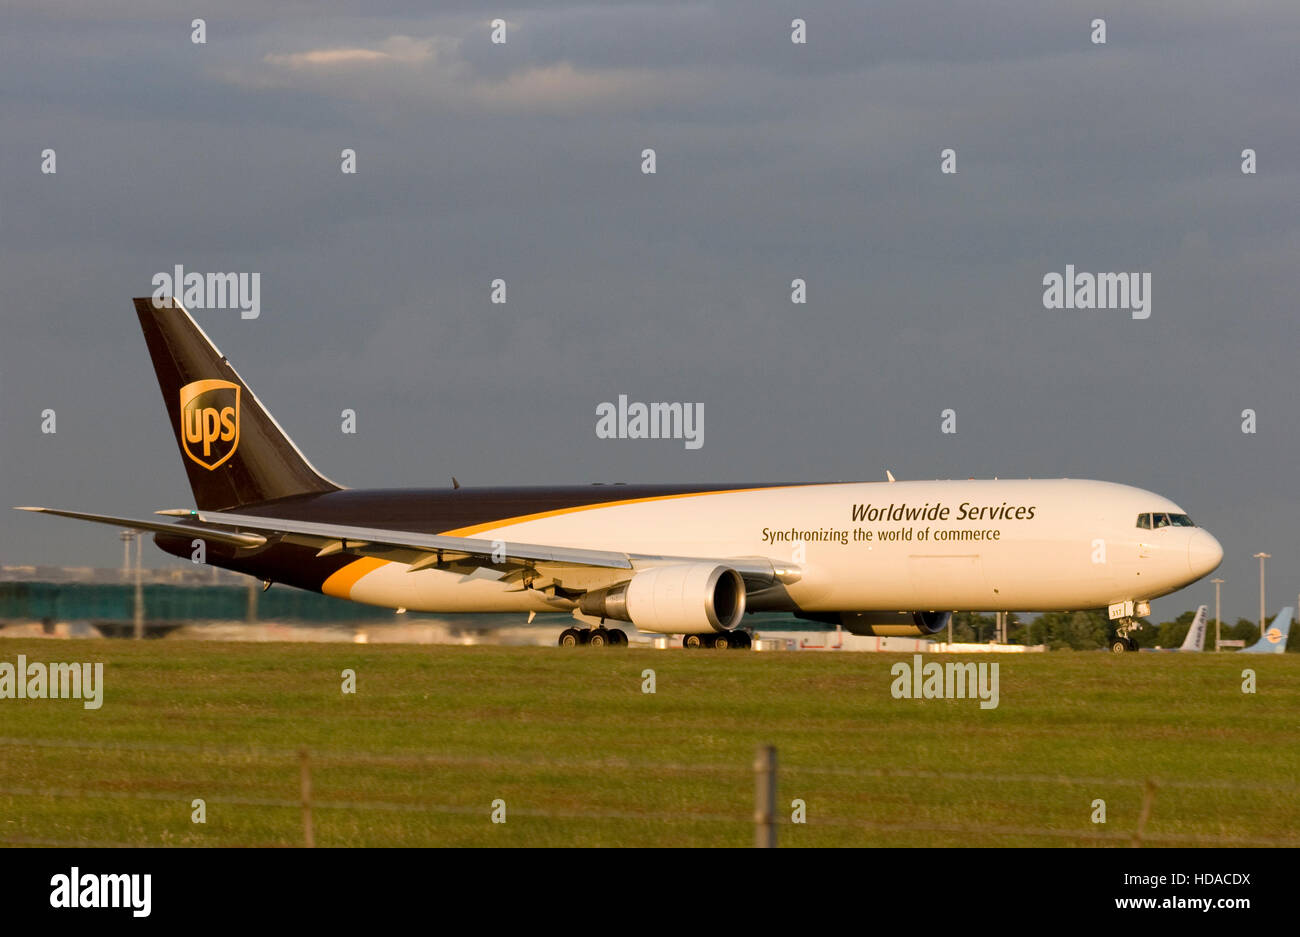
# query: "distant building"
[[187, 574]]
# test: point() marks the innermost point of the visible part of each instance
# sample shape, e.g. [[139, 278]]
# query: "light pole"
[[139, 588], [127, 536], [1217, 583], [1261, 557]]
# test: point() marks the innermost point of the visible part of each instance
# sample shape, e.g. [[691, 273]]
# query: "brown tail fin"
[[233, 450]]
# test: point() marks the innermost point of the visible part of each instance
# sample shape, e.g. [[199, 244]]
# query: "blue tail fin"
[[1274, 639]]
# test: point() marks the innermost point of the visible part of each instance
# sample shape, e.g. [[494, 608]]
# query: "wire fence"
[[766, 819]]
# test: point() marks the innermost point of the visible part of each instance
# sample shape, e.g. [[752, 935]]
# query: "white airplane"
[[882, 558]]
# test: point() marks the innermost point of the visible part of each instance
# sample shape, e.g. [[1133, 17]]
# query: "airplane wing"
[[425, 550], [246, 541], [572, 568], [368, 541]]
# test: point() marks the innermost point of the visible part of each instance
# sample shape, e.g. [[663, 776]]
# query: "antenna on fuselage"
[[890, 475]]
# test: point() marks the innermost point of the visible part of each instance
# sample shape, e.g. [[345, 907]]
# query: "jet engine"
[[894, 624], [690, 598]]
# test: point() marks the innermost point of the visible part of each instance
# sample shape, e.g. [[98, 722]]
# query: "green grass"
[[582, 757]]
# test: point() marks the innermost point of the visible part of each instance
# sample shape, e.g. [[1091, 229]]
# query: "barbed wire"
[[376, 805], [307, 803], [960, 829], [343, 756], [83, 843]]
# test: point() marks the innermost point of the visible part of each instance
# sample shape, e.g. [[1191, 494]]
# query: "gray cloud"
[[775, 161]]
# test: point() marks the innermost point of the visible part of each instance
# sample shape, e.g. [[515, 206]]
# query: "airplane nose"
[[1203, 553]]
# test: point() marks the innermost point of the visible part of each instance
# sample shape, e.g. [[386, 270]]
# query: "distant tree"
[[1092, 628], [971, 628], [1080, 630], [1247, 629], [1017, 630], [1244, 630], [1172, 633]]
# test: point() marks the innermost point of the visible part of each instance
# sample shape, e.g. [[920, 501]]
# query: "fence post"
[[765, 797], [1148, 795], [309, 840]]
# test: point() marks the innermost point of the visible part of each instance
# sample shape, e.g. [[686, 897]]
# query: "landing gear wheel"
[[692, 640], [1132, 645], [722, 641], [570, 637], [743, 640], [599, 637], [618, 637], [1119, 645]]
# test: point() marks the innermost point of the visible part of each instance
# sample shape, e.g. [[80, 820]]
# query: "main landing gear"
[[596, 637], [739, 640], [615, 637]]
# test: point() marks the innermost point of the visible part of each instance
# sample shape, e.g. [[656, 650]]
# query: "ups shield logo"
[[210, 421]]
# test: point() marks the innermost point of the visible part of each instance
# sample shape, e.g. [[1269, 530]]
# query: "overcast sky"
[[774, 161]]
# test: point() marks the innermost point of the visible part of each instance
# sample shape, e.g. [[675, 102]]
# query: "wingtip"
[[29, 508]]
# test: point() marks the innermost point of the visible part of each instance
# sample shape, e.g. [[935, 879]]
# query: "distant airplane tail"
[[1195, 640], [1275, 635], [233, 450]]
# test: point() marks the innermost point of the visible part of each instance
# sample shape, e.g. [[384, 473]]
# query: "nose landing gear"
[[1122, 641]]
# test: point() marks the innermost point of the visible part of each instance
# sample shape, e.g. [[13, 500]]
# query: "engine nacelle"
[[895, 624], [691, 598]]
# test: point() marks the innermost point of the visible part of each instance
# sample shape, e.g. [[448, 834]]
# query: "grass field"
[[581, 756]]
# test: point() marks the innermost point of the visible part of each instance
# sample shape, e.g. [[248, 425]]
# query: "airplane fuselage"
[[978, 545]]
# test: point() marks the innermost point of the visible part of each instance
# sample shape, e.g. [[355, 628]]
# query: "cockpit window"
[[1160, 519]]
